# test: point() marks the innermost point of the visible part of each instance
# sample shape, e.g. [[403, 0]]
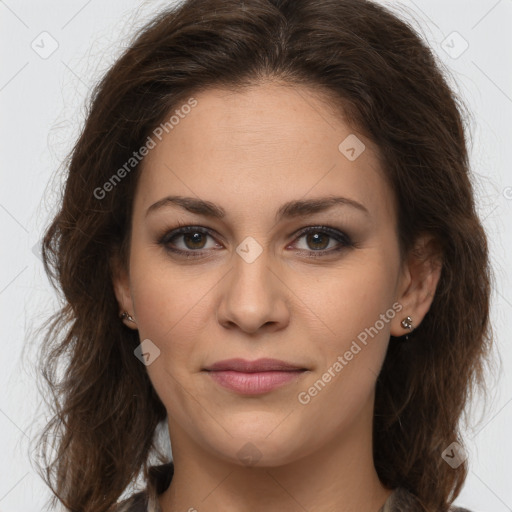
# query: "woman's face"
[[248, 282]]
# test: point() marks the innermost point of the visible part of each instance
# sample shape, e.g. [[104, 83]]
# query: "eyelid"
[[333, 232], [183, 229]]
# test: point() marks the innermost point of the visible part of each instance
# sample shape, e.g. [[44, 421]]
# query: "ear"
[[418, 282], [121, 284]]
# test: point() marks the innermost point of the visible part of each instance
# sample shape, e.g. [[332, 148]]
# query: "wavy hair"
[[375, 69]]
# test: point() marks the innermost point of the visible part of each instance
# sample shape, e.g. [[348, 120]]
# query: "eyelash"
[[343, 239]]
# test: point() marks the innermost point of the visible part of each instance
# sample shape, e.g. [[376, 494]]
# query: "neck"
[[340, 476]]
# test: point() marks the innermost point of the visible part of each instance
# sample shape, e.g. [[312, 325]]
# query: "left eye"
[[318, 239]]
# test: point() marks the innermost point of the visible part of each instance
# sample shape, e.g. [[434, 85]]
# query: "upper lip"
[[259, 365]]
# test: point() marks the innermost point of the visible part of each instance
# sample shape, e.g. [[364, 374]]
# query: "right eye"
[[193, 241]]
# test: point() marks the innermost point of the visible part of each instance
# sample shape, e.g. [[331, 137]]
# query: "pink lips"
[[253, 377]]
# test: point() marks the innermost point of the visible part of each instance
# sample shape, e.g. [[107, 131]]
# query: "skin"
[[250, 152]]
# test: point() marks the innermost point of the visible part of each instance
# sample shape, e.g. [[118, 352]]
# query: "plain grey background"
[[52, 54]]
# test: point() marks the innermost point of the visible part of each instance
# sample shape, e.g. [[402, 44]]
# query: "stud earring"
[[407, 324], [125, 316]]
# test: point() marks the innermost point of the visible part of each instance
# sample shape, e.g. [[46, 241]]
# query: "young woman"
[[267, 244]]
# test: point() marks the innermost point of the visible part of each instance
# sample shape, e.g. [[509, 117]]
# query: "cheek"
[[349, 360], [350, 300], [354, 312], [172, 304], [170, 311]]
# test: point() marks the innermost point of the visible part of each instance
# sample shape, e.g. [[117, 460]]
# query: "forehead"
[[260, 147]]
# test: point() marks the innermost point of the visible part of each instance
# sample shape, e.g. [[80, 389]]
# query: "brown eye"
[[323, 240], [195, 240], [318, 240], [189, 241]]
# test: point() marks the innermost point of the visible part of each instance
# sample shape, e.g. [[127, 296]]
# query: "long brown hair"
[[386, 81]]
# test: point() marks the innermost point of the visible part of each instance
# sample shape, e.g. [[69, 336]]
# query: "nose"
[[253, 297]]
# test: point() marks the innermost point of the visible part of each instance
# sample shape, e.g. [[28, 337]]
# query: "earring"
[[407, 324], [125, 316]]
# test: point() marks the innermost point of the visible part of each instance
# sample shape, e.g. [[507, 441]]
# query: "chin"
[[266, 444]]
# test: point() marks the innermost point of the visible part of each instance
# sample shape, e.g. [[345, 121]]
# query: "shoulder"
[[404, 501]]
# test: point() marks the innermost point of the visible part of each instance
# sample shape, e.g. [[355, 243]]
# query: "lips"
[[254, 377], [259, 365]]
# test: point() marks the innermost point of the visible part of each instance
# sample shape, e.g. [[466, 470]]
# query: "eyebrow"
[[291, 209]]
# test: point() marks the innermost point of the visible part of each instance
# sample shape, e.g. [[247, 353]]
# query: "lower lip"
[[253, 383]]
